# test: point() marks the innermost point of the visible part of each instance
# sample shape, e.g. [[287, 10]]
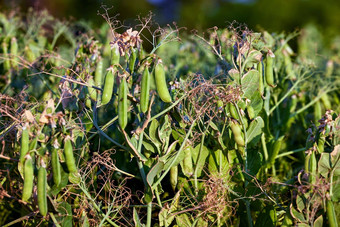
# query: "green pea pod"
[[269, 73], [56, 168], [145, 90], [92, 91], [331, 215], [108, 85], [312, 168], [7, 62], [237, 132], [321, 143], [188, 168], [260, 69], [251, 112], [41, 190], [133, 59], [307, 159], [115, 55], [70, 161], [160, 80], [325, 101], [98, 75], [24, 143], [174, 177], [122, 103], [14, 53], [233, 111], [28, 178], [275, 151]]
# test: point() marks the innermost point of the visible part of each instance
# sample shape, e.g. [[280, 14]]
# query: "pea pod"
[[331, 215], [260, 69], [7, 62], [188, 168], [122, 103], [233, 111], [145, 90], [41, 190], [56, 168], [70, 161], [115, 55], [28, 178], [174, 177], [92, 91], [14, 52], [108, 85], [269, 73], [312, 165], [98, 75], [24, 143], [325, 101], [160, 80], [251, 112], [132, 60], [237, 132], [321, 143]]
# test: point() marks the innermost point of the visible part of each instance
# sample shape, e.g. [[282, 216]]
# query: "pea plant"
[[148, 126]]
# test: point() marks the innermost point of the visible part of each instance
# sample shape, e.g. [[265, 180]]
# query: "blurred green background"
[[272, 15]]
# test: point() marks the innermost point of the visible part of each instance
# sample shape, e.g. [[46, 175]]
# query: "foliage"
[[228, 139]]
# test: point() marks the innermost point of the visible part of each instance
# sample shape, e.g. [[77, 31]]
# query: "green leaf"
[[256, 102], [296, 215], [218, 162], [300, 203], [183, 220], [199, 155], [267, 217], [255, 162], [65, 217], [254, 131], [250, 83], [164, 216], [136, 219], [330, 162], [318, 222]]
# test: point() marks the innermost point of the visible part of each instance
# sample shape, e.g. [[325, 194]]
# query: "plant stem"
[[149, 215]]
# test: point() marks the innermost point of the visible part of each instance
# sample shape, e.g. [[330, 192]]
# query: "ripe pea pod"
[[92, 91], [233, 111], [145, 90], [312, 168], [41, 191], [122, 103], [7, 62], [260, 69], [269, 73], [237, 132], [161, 85], [317, 111], [133, 58], [331, 215], [115, 55], [251, 112], [24, 143], [14, 52], [321, 143], [98, 75], [188, 168], [108, 85], [56, 168], [70, 161], [325, 101], [174, 177], [28, 178]]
